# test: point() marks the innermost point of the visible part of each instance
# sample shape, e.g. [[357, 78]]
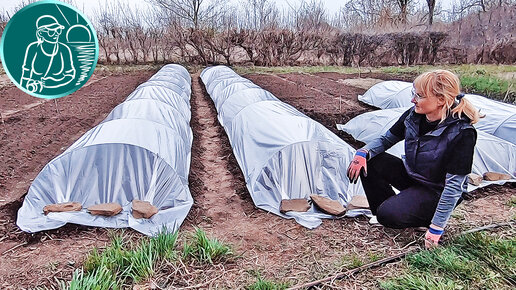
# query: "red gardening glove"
[[358, 164], [432, 237]]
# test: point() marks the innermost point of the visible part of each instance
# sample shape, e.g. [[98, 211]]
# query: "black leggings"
[[414, 206]]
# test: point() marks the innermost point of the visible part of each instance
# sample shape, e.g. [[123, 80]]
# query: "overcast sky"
[[88, 6]]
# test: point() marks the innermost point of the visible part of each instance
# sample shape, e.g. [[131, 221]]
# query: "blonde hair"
[[445, 84]]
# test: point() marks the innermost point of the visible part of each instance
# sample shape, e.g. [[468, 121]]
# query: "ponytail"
[[466, 107]]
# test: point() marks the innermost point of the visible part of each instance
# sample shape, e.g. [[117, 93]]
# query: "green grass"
[[413, 70], [205, 250], [421, 281], [512, 202], [263, 284], [465, 69], [494, 81], [100, 278], [486, 85], [351, 262], [498, 254], [373, 257], [477, 261], [123, 262]]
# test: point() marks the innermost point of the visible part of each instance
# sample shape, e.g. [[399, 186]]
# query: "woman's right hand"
[[358, 164]]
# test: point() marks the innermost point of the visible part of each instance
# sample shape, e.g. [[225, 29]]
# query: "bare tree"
[[259, 14], [469, 6], [156, 25], [193, 12], [310, 15], [4, 18], [431, 7], [365, 13], [107, 19], [247, 39], [403, 5], [130, 29]]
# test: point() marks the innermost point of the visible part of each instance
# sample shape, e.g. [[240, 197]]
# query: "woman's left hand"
[[432, 236]]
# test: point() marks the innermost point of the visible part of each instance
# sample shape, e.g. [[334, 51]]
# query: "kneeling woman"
[[431, 177]]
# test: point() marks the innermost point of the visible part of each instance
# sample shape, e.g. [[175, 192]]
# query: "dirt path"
[[218, 198]]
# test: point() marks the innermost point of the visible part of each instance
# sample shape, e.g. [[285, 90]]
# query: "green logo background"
[[21, 31]]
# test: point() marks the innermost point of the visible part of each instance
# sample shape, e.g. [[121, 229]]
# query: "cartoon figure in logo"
[[48, 63]]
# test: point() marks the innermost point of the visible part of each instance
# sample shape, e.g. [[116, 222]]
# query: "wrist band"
[[435, 231], [361, 153]]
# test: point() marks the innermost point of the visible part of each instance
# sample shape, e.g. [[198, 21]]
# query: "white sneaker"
[[374, 221]]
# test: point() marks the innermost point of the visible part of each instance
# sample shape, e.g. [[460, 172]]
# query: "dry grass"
[[121, 69]]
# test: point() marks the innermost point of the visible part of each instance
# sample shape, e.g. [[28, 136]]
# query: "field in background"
[[494, 81]]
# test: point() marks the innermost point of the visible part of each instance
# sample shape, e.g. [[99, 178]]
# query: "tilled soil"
[[277, 248]]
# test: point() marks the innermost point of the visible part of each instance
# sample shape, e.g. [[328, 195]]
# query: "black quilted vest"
[[425, 155]]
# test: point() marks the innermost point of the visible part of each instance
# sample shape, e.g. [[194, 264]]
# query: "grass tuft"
[[512, 201], [205, 250], [140, 262], [476, 260], [351, 262], [127, 262], [99, 279], [420, 281], [446, 260], [124, 262], [484, 85], [263, 284]]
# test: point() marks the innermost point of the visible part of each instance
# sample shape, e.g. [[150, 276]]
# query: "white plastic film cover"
[[388, 95], [283, 154], [140, 151], [492, 154], [499, 120]]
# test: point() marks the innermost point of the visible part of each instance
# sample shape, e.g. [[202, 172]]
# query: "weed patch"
[[263, 284], [486, 80], [124, 262], [491, 86], [512, 202], [205, 250], [471, 261], [351, 262], [100, 278]]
